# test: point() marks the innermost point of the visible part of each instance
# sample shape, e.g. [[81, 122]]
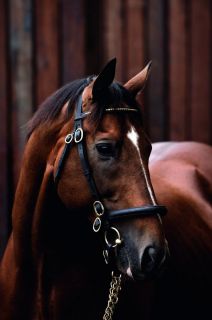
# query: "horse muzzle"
[[117, 247]]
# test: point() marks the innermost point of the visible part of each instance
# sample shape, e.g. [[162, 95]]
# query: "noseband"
[[103, 217]]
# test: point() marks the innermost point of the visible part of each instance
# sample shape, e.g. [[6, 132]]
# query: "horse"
[[181, 173], [86, 219]]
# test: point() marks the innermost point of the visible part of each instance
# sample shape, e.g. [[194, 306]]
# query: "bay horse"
[[85, 197]]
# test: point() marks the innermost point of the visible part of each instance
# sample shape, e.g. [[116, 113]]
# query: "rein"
[[103, 217]]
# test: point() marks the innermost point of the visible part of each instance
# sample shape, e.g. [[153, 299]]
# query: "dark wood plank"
[[201, 71], [179, 66], [4, 197], [93, 36], [47, 47], [136, 43], [157, 91], [136, 55], [73, 40], [21, 75], [114, 27]]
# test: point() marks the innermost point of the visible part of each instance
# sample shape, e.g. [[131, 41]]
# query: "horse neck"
[[28, 192], [37, 204], [47, 239]]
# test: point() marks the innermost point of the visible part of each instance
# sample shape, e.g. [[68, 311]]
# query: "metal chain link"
[[115, 287]]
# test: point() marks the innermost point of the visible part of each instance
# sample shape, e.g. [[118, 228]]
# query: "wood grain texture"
[[20, 44], [179, 67], [4, 183], [73, 58], [201, 72], [47, 46], [136, 55], [114, 31], [157, 92]]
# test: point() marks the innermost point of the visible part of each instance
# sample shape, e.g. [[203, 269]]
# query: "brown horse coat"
[[53, 266], [181, 174], [182, 177]]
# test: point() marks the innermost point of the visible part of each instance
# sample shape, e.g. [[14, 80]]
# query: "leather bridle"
[[103, 218]]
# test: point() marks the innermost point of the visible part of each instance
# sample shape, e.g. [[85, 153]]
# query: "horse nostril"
[[150, 259]]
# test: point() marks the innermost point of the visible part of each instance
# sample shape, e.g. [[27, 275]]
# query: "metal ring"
[[117, 240], [101, 207], [97, 224], [80, 131], [69, 138]]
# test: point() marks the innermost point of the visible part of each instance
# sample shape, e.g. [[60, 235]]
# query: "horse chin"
[[135, 276], [138, 276]]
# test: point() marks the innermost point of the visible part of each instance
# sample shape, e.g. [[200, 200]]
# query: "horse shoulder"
[[182, 177]]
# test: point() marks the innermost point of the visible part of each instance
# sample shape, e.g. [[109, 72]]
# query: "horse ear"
[[138, 82], [104, 79]]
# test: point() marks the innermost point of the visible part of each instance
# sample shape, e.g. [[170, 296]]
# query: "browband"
[[121, 109]]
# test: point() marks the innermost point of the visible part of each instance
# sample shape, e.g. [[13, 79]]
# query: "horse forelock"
[[115, 97]]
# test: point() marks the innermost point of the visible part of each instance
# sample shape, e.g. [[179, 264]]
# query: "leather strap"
[[144, 211], [149, 210], [82, 150]]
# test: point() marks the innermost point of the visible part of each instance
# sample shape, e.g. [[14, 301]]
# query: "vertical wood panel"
[[135, 10], [4, 205], [21, 74], [94, 25], [157, 92], [179, 70], [47, 48], [136, 40], [113, 30], [201, 55], [73, 40]]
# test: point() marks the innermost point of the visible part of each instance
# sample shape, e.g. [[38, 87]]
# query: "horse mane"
[[116, 96], [51, 107]]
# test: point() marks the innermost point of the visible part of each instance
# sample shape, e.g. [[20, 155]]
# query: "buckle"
[[69, 138], [78, 135], [98, 208], [97, 224]]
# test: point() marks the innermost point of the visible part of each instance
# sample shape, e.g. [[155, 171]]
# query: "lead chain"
[[115, 287]]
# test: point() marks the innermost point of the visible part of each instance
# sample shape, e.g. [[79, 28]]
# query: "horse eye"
[[105, 150]]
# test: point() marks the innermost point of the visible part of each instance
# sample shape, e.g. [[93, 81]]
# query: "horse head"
[[84, 188], [100, 167]]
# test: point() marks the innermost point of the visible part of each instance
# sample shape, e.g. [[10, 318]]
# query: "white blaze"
[[134, 137]]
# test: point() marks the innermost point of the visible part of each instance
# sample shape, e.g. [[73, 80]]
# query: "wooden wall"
[[46, 43]]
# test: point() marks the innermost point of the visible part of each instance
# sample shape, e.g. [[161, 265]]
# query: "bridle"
[[103, 218]]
